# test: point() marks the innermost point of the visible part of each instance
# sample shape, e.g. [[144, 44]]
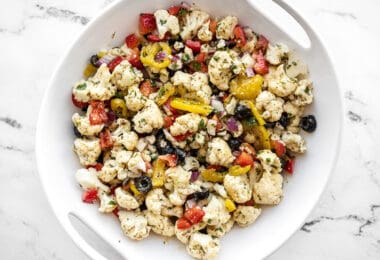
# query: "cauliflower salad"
[[189, 126]]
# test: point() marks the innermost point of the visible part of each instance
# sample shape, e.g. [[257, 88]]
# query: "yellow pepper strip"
[[134, 189], [246, 88], [158, 174], [230, 205], [101, 54], [256, 113], [164, 93], [149, 52], [212, 176], [89, 70], [237, 170], [191, 106]]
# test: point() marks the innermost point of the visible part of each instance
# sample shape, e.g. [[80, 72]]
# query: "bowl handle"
[[81, 243], [301, 21]]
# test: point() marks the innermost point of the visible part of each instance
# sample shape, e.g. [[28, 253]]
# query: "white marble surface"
[[344, 225]]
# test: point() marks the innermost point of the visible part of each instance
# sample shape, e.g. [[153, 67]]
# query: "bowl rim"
[[38, 137]]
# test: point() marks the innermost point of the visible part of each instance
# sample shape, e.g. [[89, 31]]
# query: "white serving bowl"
[[57, 163]]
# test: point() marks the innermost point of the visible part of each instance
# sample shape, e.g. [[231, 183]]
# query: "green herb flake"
[[111, 202], [182, 12], [162, 22], [251, 122], [201, 124], [185, 58], [81, 86], [196, 66]]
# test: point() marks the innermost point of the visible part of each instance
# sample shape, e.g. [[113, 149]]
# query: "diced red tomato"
[[195, 66], [289, 167], [194, 45], [98, 115], [240, 36], [116, 61], [77, 103], [116, 212], [183, 137], [173, 10], [219, 124], [156, 38], [168, 121], [146, 88], [170, 159], [261, 65], [169, 108], [246, 147], [278, 147], [212, 26], [97, 166], [147, 23], [134, 59], [244, 159], [201, 57], [183, 223], [224, 97], [90, 196], [194, 215], [262, 44], [148, 166], [132, 41], [106, 140]]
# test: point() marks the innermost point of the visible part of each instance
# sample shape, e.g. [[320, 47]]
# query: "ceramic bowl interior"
[[58, 164]]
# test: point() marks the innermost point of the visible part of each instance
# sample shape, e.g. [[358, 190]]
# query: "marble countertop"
[[344, 225]]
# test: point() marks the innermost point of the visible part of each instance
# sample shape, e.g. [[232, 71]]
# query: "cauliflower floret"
[[196, 85], [268, 190], [128, 139], [156, 201], [88, 150], [202, 246], [295, 66], [148, 118], [275, 53], [270, 105], [82, 123], [97, 87], [225, 27], [250, 45], [193, 21], [221, 230], [136, 164], [179, 177], [173, 141], [270, 161], [199, 140], [246, 215], [216, 212], [292, 109], [280, 84], [135, 100], [122, 126], [219, 153], [125, 75], [166, 23], [176, 211], [304, 93], [247, 60], [222, 66], [191, 163], [220, 190], [134, 224], [88, 179], [109, 171], [294, 142], [204, 33], [107, 202], [231, 106], [238, 188], [125, 200], [187, 123], [160, 224], [183, 235]]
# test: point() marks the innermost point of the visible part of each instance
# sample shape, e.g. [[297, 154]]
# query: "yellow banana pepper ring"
[[191, 106], [164, 93], [158, 174], [246, 88], [230, 205], [212, 176], [259, 130], [237, 170], [149, 53]]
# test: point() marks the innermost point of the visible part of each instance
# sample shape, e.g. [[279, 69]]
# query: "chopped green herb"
[[182, 12], [81, 86], [307, 90], [185, 58], [196, 66], [251, 122], [111, 202], [294, 63], [162, 22], [216, 58], [201, 124]]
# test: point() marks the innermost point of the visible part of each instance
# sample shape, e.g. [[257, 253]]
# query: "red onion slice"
[[194, 176], [106, 59], [232, 124], [250, 72], [160, 56]]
